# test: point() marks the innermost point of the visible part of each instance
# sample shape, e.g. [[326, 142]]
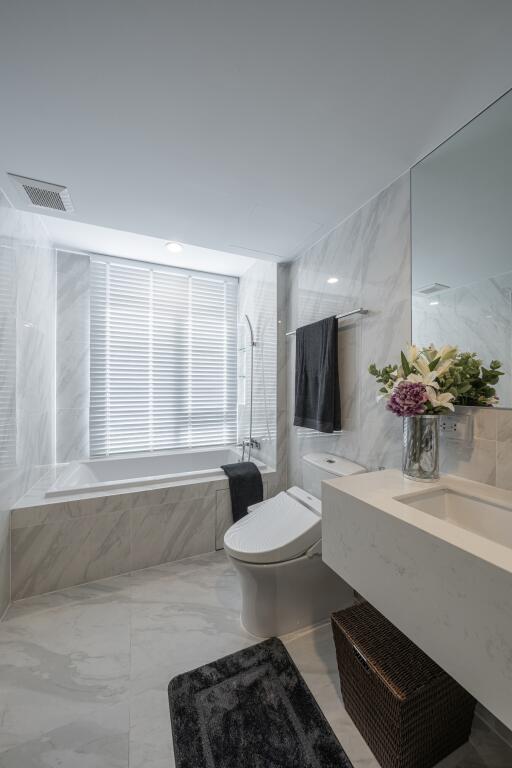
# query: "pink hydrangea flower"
[[408, 399]]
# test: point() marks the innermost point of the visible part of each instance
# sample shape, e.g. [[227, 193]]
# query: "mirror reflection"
[[462, 242]]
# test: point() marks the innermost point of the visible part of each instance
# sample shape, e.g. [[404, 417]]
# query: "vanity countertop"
[[442, 583], [388, 491]]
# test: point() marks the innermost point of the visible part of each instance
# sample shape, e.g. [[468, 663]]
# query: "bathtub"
[[142, 470]]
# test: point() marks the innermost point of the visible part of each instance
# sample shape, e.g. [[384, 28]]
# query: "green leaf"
[[434, 363], [405, 364]]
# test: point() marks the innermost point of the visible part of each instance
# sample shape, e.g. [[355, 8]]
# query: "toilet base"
[[278, 598]]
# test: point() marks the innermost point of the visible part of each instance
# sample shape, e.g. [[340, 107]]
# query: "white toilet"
[[277, 552]]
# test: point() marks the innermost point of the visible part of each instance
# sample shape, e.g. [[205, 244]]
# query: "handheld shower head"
[[253, 343]]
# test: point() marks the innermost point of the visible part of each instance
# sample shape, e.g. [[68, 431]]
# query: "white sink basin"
[[485, 517]]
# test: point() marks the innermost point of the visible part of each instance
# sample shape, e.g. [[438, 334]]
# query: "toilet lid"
[[274, 531]]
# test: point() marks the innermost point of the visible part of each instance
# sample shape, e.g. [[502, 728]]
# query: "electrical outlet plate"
[[456, 426]]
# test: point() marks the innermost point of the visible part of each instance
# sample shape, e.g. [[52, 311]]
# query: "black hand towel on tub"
[[317, 385], [245, 486]]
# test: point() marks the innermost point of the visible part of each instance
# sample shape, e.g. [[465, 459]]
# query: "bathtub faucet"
[[249, 443]]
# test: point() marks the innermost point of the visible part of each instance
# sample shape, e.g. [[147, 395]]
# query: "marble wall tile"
[[27, 342], [5, 563], [487, 456], [72, 433], [56, 555], [172, 532], [73, 298], [36, 438], [72, 378], [504, 450], [475, 460], [485, 421], [36, 322], [369, 253], [223, 517], [73, 356]]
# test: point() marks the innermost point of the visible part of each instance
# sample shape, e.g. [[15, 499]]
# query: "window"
[[7, 356], [163, 358]]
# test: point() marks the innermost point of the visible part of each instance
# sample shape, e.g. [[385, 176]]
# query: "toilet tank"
[[325, 466]]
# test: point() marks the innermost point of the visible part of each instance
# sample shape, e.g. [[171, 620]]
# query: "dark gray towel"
[[245, 486], [317, 385]]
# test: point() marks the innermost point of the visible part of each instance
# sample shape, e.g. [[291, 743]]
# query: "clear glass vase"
[[420, 449]]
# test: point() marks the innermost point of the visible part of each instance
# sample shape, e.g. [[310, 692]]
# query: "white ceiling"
[[77, 236], [248, 126]]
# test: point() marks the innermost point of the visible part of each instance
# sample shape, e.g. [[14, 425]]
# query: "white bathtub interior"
[[127, 471]]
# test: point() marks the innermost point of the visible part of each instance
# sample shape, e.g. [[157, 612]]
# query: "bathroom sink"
[[436, 560], [486, 517]]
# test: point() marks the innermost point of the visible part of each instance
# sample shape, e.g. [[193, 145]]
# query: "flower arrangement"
[[432, 381]]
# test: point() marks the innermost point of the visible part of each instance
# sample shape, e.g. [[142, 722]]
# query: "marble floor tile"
[[59, 665], [84, 671], [93, 741], [150, 732]]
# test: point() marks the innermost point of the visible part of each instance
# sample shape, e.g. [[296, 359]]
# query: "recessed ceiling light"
[[332, 280], [433, 303], [174, 247]]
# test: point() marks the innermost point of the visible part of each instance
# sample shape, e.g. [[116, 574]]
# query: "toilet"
[[277, 552]]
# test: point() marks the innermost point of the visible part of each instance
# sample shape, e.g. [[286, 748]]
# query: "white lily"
[[425, 376], [430, 352], [440, 400], [448, 352], [443, 367], [422, 366], [411, 353], [428, 380]]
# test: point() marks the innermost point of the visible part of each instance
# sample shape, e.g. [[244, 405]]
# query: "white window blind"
[[163, 358], [7, 356]]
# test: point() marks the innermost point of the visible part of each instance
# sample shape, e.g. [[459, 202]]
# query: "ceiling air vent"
[[432, 288], [42, 194]]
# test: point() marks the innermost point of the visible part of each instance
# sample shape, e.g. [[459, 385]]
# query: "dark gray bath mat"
[[251, 709]]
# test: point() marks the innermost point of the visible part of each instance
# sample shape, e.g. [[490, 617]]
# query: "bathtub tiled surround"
[[27, 344], [60, 544]]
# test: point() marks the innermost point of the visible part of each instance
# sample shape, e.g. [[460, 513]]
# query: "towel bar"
[[359, 311]]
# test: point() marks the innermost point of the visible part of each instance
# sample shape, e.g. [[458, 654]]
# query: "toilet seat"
[[276, 530]]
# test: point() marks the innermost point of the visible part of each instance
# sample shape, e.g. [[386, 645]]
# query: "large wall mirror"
[[462, 242]]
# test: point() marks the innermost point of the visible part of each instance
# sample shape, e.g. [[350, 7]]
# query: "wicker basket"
[[409, 711]]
